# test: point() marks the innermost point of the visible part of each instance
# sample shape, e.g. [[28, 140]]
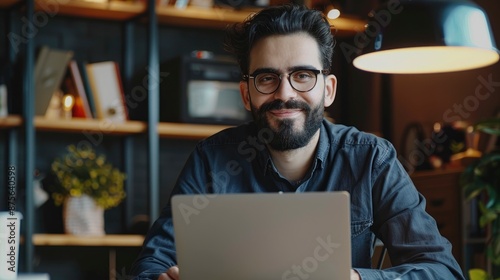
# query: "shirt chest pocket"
[[360, 226]]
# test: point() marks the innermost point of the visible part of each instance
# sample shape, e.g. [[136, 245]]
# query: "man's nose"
[[285, 91]]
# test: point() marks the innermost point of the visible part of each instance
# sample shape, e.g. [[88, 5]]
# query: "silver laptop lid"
[[263, 236]]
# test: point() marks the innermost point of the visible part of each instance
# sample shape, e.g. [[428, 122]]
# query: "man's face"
[[293, 116]]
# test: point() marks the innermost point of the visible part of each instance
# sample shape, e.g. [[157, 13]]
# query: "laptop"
[[263, 236]]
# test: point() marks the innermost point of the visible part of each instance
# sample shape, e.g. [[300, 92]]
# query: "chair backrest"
[[379, 260]]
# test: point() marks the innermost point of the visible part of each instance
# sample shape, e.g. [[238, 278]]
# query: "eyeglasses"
[[301, 80]]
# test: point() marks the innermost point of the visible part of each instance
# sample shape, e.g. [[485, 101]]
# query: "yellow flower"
[[81, 171], [75, 192]]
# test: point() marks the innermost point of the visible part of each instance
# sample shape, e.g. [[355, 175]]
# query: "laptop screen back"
[[263, 236]]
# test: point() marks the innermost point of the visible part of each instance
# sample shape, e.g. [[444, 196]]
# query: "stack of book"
[[96, 88]]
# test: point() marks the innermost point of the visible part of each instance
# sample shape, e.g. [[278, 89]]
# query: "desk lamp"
[[427, 36]]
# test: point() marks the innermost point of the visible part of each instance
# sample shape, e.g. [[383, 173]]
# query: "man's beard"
[[284, 136]]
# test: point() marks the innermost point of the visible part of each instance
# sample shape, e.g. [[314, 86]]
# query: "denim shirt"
[[384, 202]]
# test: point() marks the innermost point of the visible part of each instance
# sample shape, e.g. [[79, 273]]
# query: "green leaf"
[[473, 191], [490, 126], [478, 274], [487, 216], [492, 197], [495, 246]]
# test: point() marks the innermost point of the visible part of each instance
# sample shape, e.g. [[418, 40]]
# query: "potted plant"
[[86, 185], [481, 180]]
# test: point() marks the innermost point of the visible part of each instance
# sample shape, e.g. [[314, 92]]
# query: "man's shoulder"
[[349, 135], [350, 140]]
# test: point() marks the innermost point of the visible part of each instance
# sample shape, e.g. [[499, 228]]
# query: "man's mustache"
[[280, 104]]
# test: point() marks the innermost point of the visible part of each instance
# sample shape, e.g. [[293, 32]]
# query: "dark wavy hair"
[[279, 20]]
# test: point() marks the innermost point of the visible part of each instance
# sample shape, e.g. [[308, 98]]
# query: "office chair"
[[381, 255]]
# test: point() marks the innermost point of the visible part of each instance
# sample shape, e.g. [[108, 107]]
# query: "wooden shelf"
[[82, 125], [10, 122], [200, 17], [191, 16], [165, 130], [188, 131], [221, 17], [109, 240], [113, 10], [8, 3]]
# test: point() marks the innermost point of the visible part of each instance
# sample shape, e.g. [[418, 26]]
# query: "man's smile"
[[285, 113]]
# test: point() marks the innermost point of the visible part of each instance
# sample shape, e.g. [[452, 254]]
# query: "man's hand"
[[355, 275], [171, 274]]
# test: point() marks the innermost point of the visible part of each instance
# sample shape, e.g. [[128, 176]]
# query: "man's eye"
[[266, 78], [302, 75]]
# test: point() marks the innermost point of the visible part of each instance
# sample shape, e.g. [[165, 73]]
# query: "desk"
[[444, 202], [112, 241]]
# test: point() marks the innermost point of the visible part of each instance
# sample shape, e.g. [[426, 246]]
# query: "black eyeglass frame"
[[315, 71]]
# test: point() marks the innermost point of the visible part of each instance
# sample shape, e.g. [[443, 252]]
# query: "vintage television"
[[201, 90]]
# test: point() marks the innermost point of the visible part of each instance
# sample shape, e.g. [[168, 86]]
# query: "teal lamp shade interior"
[[423, 36]]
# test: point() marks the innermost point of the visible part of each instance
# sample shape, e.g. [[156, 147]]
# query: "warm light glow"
[[333, 14], [426, 60], [68, 102]]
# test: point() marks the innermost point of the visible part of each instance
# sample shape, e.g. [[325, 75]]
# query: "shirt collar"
[[265, 160]]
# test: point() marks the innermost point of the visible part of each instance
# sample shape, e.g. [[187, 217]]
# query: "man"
[[285, 54]]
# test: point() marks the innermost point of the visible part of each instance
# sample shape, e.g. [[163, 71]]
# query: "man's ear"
[[330, 89], [245, 95]]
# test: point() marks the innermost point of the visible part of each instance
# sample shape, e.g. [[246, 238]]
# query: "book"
[[73, 84], [50, 68], [107, 89], [87, 88]]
